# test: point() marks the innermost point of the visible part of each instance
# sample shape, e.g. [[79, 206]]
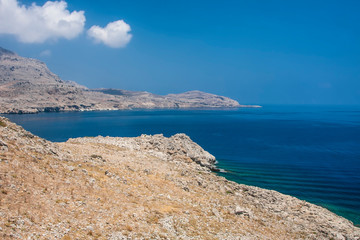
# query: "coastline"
[[229, 136], [72, 109], [28, 86], [164, 184]]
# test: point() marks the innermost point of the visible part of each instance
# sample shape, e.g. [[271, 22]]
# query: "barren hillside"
[[148, 187], [28, 86]]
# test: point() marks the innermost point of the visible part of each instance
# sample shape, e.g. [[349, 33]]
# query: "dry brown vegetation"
[[83, 189]]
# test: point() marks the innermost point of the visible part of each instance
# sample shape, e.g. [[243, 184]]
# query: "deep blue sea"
[[311, 152]]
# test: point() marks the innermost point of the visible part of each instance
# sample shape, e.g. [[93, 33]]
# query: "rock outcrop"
[[175, 147], [149, 187], [28, 86]]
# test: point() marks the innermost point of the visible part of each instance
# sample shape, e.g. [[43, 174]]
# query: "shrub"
[[96, 156], [2, 124]]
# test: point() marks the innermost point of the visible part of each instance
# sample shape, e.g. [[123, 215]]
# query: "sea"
[[310, 152]]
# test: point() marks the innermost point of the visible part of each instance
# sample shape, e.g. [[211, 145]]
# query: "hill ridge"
[[146, 187], [28, 86]]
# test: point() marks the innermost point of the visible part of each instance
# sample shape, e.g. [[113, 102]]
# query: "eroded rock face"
[[28, 86], [149, 187], [177, 146]]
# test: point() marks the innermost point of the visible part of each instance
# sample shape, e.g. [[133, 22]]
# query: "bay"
[[310, 152]]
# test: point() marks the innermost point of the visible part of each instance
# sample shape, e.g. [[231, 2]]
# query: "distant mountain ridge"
[[28, 86], [4, 51]]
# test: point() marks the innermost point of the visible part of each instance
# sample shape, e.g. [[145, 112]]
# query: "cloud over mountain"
[[37, 24], [115, 34]]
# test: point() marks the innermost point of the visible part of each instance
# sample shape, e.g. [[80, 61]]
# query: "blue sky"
[[257, 52]]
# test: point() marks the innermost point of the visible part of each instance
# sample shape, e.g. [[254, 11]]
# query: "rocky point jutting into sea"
[[28, 86], [147, 187]]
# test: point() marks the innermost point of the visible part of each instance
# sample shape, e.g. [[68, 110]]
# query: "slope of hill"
[[148, 187], [28, 86]]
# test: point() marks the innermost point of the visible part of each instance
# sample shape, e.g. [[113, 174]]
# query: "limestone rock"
[[28, 86], [179, 146], [149, 187]]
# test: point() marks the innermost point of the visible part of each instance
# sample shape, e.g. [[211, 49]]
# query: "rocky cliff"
[[149, 187], [28, 86]]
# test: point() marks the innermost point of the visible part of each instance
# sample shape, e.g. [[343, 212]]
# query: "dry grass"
[[75, 199]]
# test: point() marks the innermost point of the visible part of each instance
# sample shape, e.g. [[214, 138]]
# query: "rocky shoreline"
[[148, 187], [28, 86]]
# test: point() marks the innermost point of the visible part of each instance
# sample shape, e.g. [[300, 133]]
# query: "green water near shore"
[[310, 152]]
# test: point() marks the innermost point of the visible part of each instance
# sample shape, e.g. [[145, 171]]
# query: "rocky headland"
[[147, 187], [28, 86]]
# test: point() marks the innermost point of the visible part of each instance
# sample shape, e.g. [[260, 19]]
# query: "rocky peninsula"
[[147, 187], [28, 86]]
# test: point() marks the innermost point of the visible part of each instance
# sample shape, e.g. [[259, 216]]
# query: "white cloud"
[[37, 24], [115, 34], [45, 53]]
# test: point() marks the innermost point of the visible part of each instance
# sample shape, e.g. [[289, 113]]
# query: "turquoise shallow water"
[[311, 152]]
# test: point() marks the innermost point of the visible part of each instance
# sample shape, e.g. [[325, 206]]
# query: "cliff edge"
[[148, 187], [28, 86]]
